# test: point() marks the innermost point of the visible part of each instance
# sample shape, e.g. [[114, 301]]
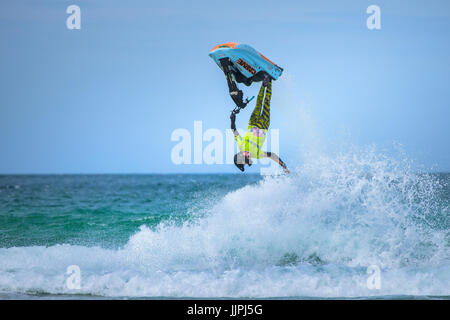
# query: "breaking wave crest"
[[313, 233]]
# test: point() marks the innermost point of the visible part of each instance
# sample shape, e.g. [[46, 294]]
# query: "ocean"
[[349, 226]]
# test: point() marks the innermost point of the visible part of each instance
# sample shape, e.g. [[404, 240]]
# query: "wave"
[[313, 233]]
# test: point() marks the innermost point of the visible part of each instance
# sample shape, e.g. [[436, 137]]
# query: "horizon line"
[[157, 173]]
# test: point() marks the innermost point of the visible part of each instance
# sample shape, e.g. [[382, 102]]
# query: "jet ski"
[[242, 64]]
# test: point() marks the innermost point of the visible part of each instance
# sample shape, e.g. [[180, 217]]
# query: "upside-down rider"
[[251, 143]]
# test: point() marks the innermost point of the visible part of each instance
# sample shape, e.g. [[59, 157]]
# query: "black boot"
[[266, 80]]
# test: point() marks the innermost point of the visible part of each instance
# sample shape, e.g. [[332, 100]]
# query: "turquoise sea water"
[[104, 210], [312, 234]]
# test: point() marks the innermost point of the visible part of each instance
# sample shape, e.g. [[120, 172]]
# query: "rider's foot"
[[266, 80]]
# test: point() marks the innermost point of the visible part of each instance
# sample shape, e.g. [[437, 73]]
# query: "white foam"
[[313, 233]]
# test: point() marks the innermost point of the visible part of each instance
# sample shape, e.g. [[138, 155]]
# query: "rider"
[[250, 145]]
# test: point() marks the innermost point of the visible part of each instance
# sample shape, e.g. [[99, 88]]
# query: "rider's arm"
[[275, 158], [233, 124]]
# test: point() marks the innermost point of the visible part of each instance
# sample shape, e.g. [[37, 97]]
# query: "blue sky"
[[106, 98]]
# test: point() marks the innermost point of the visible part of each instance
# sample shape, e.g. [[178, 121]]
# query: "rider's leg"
[[256, 114], [265, 117]]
